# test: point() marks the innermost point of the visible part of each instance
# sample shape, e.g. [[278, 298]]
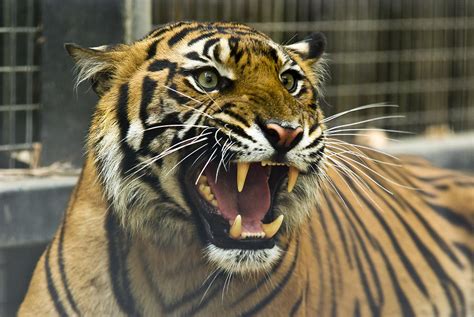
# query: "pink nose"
[[283, 138]]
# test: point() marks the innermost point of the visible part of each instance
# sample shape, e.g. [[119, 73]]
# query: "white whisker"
[[363, 121], [186, 106], [371, 106], [205, 166], [199, 148]]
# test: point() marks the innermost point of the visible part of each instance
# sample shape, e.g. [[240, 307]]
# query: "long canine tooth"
[[242, 170], [293, 173], [236, 229], [271, 229]]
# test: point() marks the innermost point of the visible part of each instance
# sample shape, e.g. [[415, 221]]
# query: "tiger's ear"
[[96, 64], [311, 48]]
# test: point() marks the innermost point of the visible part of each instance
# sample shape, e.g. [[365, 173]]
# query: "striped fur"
[[364, 234]]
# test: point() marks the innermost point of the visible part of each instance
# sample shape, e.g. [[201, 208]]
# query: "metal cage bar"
[[18, 74]]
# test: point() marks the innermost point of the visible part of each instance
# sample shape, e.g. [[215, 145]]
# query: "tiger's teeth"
[[242, 170], [293, 173], [265, 163], [271, 229], [236, 228], [253, 235], [206, 192], [202, 180]]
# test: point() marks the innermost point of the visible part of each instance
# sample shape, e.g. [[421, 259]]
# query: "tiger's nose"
[[282, 138]]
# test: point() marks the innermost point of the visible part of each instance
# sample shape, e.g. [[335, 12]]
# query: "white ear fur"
[[93, 64], [312, 47]]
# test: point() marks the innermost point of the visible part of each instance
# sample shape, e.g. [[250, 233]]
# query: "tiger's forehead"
[[197, 45]]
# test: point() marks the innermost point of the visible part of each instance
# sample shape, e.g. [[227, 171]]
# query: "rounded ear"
[[96, 64], [312, 47]]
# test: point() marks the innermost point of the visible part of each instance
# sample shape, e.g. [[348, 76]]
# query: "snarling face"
[[209, 133]]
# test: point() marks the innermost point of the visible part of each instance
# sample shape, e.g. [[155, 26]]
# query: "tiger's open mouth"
[[235, 205]]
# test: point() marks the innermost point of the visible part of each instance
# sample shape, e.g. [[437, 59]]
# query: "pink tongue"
[[252, 203]]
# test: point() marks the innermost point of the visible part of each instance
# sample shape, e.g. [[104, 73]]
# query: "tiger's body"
[[363, 233]]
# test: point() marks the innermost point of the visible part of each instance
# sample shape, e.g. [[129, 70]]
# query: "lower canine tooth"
[[292, 177], [271, 229], [236, 228]]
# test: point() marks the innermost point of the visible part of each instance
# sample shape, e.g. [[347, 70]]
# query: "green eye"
[[289, 81], [208, 79]]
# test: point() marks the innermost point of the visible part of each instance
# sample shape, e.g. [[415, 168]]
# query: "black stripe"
[[235, 129], [166, 28], [148, 90], [464, 184], [434, 178], [317, 254], [208, 45], [431, 231], [273, 54], [202, 37], [332, 274], [216, 53], [204, 302], [51, 288], [393, 239], [339, 228], [234, 49], [181, 34], [278, 287], [434, 235], [239, 301], [402, 299], [356, 309], [118, 247], [226, 109], [444, 279], [465, 250], [195, 57], [152, 49], [162, 64], [296, 306], [129, 158], [374, 307], [62, 270], [452, 217]]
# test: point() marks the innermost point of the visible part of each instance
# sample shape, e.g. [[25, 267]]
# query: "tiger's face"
[[209, 134]]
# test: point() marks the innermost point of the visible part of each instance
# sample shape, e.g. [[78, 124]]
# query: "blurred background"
[[415, 54]]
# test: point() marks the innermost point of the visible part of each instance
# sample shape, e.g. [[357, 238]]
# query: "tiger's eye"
[[288, 80], [208, 79]]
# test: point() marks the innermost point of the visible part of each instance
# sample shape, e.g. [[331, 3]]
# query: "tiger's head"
[[208, 134]]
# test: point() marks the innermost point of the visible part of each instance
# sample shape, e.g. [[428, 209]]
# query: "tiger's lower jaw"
[[243, 261]]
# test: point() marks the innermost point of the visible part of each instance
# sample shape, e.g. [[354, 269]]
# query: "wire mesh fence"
[[417, 54], [19, 80]]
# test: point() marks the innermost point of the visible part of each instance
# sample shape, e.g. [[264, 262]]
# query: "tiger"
[[214, 185]]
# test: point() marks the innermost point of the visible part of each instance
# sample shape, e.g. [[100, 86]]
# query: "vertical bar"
[[12, 134], [29, 74]]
